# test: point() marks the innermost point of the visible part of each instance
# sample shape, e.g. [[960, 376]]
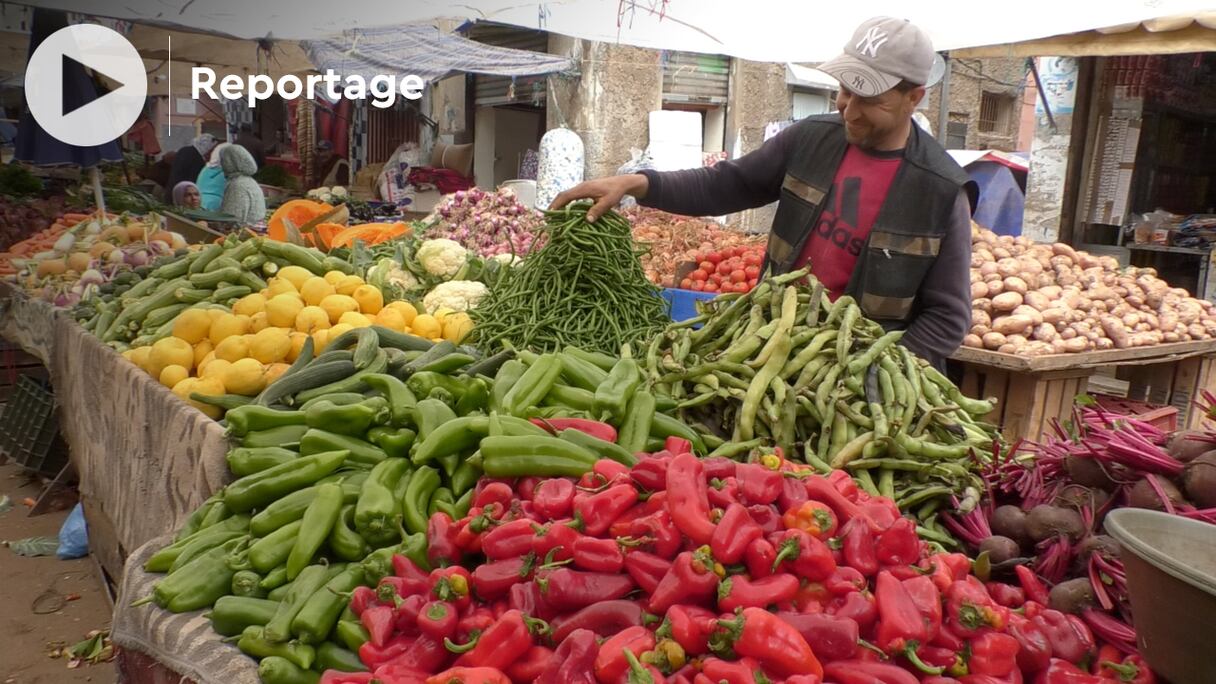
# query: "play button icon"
[[62, 113]]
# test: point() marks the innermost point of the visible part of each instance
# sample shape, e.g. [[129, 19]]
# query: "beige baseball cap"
[[882, 52]]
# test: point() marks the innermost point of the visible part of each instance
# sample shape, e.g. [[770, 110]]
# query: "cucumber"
[[164, 315], [297, 255], [211, 279], [205, 256], [399, 340], [223, 294], [335, 264], [252, 281], [224, 401], [316, 375], [191, 295], [222, 261], [173, 269]]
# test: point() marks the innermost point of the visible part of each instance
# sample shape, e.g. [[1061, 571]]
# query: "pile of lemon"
[[212, 351]]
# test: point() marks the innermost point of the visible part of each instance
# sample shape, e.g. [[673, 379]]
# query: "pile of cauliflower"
[[328, 195], [440, 264]]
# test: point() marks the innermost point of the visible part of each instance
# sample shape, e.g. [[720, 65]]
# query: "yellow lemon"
[[337, 304], [369, 299], [192, 325], [215, 369], [171, 375], [227, 325], [201, 350], [348, 285], [320, 338], [281, 311], [170, 351], [232, 349], [270, 345], [205, 363], [296, 275], [456, 327], [407, 310], [280, 286], [391, 319], [209, 387], [316, 289], [250, 305], [334, 277], [311, 318], [258, 322], [216, 314], [425, 325], [246, 377], [338, 330], [274, 371], [139, 356], [354, 319], [297, 345]]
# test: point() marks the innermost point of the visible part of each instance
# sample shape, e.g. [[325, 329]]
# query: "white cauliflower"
[[317, 193], [338, 191], [507, 259], [457, 295], [442, 257], [392, 279]]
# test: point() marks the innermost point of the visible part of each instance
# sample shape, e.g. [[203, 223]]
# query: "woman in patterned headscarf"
[[189, 161], [243, 196]]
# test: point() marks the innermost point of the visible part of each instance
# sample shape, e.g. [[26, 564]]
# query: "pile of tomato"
[[732, 269]]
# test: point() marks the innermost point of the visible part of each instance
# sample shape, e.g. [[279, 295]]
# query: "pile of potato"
[[1036, 299]]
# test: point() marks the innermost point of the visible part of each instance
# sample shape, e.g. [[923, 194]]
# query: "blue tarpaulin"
[[1001, 199], [422, 50]]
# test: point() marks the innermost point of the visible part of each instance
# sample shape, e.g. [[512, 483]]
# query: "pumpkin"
[[298, 211], [369, 234], [323, 234]]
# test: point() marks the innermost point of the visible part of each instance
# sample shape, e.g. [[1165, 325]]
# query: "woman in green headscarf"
[[243, 196]]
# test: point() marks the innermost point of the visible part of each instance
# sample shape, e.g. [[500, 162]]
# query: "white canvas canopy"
[[763, 30]]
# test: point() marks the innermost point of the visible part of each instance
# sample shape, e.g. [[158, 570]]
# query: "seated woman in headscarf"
[[243, 196], [211, 180], [186, 196], [190, 159]]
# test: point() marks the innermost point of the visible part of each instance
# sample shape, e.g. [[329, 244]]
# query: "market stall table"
[[1034, 391]]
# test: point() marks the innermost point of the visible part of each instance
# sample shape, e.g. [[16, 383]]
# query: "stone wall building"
[[987, 103]]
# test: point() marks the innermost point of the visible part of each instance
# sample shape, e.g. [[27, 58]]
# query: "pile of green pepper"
[[783, 365]]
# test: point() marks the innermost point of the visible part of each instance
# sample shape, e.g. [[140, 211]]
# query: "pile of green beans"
[[585, 288], [783, 365]]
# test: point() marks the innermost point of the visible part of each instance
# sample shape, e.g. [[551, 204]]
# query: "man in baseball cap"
[[868, 200]]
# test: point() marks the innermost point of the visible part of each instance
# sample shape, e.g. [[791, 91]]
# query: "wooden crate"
[[1033, 391]]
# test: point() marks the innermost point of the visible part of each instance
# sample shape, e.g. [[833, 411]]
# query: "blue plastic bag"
[[74, 535]]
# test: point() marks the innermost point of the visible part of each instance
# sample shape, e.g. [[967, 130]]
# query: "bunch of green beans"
[[585, 288], [782, 365]]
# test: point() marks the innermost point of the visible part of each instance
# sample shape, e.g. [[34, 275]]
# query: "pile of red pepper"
[[705, 571]]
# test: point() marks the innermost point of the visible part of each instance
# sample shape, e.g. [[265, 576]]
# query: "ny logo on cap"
[[871, 41]]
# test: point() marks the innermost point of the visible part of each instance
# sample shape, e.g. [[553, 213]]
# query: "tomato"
[[715, 278], [738, 276], [698, 274], [697, 286], [752, 271], [751, 283], [753, 259], [723, 268], [686, 284], [713, 257], [711, 287]]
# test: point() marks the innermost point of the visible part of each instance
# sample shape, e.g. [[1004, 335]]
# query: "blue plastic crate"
[[684, 302]]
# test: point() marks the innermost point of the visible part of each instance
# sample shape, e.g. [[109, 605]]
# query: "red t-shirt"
[[857, 193]]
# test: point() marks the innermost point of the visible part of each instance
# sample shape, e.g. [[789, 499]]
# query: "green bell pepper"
[[259, 489], [359, 452], [253, 642], [350, 419], [253, 418], [232, 614], [395, 442], [244, 461], [401, 400]]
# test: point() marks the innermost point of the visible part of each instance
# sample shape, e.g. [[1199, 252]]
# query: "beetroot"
[[1187, 445], [1087, 471], [1010, 521], [1200, 480], [1045, 522], [1071, 596], [1144, 495], [1000, 549]]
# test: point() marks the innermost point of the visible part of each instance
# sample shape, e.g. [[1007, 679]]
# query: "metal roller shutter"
[[496, 90], [695, 78]]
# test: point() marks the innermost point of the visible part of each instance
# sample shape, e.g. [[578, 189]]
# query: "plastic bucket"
[[525, 190], [1171, 577]]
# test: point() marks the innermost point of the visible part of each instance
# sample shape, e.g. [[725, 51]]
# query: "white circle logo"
[[105, 52]]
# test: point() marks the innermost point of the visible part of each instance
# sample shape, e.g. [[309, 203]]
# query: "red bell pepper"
[[759, 634], [473, 622], [470, 675], [650, 473], [390, 589], [526, 598], [767, 517], [812, 597], [553, 498], [399, 673], [690, 627], [509, 540], [858, 547], [574, 660], [834, 637], [971, 610], [845, 580], [879, 509], [928, 601], [598, 511], [804, 555], [732, 535], [939, 679], [598, 555], [812, 517], [657, 533], [646, 569], [687, 499], [1129, 669], [1014, 677], [438, 619], [723, 492], [946, 568], [441, 547], [858, 606], [900, 624], [604, 618], [760, 557], [374, 656], [425, 654], [494, 580], [493, 491], [531, 664], [898, 544], [677, 445], [641, 673], [859, 671], [737, 591], [594, 428], [554, 541], [452, 584], [819, 488], [566, 590], [758, 484], [1063, 672], [1006, 594], [693, 578], [742, 671], [1071, 639], [993, 653], [793, 494], [362, 598], [718, 468], [339, 677], [378, 621], [611, 664], [503, 642], [406, 620], [1032, 585], [407, 568], [611, 472], [1034, 648]]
